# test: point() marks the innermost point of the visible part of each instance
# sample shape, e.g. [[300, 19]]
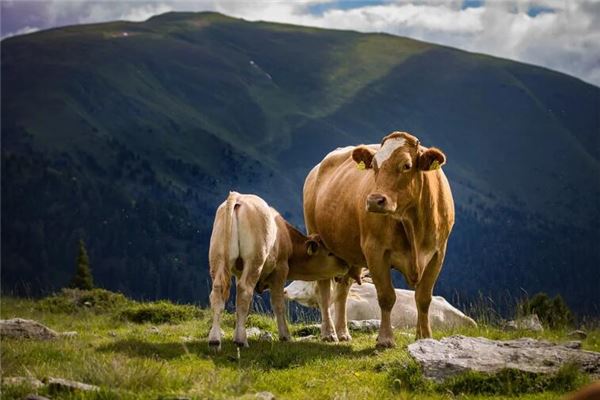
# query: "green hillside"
[[129, 135]]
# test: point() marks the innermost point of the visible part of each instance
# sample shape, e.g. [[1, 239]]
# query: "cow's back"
[[334, 196]]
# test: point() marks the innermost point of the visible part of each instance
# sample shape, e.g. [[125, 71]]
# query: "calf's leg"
[[340, 299], [327, 330], [277, 283], [245, 290], [217, 303]]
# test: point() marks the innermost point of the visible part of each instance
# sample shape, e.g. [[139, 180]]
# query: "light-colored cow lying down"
[[253, 242], [362, 304]]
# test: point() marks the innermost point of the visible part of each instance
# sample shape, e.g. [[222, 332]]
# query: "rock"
[[265, 396], [266, 337], [529, 322], [453, 355], [25, 329], [153, 329], [573, 344], [87, 303], [112, 334], [309, 330], [69, 334], [253, 333], [65, 385], [577, 334], [35, 397], [22, 381], [367, 325]]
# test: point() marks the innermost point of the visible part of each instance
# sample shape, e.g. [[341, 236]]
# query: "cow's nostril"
[[381, 201]]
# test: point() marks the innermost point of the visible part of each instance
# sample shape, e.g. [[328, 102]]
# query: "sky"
[[563, 35]]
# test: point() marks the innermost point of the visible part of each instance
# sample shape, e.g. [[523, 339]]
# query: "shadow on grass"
[[262, 355]]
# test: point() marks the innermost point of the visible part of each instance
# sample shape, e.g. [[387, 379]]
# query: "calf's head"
[[397, 166]]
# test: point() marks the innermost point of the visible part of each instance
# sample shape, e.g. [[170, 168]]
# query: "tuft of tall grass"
[[158, 312]]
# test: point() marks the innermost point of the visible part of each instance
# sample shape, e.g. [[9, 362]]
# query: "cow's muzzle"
[[378, 203]]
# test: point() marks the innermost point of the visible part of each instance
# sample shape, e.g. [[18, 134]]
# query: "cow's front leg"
[[245, 290], [276, 283], [424, 292], [340, 299], [327, 330], [380, 269]]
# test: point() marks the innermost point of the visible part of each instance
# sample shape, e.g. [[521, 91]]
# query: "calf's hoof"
[[344, 337], [387, 343], [214, 345], [332, 337], [285, 339], [241, 344]]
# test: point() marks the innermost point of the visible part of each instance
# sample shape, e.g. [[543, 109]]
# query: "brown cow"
[[253, 241], [380, 207]]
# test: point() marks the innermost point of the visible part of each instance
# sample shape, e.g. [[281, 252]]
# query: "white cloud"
[[561, 35]]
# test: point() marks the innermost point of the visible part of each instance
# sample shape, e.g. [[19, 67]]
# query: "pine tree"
[[83, 275]]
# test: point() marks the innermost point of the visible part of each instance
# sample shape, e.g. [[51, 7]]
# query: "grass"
[[135, 361]]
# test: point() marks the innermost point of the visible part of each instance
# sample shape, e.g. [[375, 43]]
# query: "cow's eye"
[[406, 167], [330, 254]]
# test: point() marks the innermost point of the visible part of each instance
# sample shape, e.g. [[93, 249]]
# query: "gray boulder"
[[577, 334], [253, 332], [25, 329], [453, 355]]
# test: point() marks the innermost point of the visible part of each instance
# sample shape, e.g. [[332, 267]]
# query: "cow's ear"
[[431, 159], [363, 156], [312, 244]]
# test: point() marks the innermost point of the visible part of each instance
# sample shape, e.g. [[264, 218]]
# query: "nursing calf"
[[253, 242], [362, 304]]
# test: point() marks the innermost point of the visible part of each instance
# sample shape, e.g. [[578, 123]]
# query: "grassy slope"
[[137, 363], [175, 115]]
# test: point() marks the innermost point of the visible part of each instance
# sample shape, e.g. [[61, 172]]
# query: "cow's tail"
[[230, 241]]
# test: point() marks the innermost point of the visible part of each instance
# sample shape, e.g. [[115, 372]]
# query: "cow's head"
[[397, 166], [305, 293]]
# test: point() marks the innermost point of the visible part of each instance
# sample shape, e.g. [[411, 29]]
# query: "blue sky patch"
[[321, 8], [472, 4], [534, 11]]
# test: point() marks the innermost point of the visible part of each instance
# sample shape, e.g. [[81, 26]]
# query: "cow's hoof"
[[332, 337], [345, 337], [241, 344], [385, 343], [214, 345], [285, 339]]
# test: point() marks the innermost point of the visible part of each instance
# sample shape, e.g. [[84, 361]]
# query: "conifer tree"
[[83, 274]]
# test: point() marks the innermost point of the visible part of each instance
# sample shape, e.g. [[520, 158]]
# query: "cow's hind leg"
[[245, 289], [341, 296], [217, 303], [424, 293], [327, 330]]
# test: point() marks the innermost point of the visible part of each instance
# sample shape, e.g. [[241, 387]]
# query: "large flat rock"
[[453, 355], [25, 329]]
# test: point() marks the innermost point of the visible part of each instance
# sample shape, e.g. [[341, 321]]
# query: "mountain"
[[129, 135]]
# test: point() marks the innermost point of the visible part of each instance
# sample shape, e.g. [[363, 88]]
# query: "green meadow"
[[157, 350]]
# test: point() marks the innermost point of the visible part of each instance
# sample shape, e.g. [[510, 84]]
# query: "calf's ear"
[[363, 157], [312, 244], [431, 159]]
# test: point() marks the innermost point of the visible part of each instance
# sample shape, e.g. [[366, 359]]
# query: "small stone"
[[25, 329], [153, 329], [65, 385], [112, 334], [265, 396], [69, 334], [35, 397], [266, 337], [306, 338], [253, 333], [22, 381], [577, 334], [309, 330], [528, 322], [367, 325], [87, 304], [573, 344]]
